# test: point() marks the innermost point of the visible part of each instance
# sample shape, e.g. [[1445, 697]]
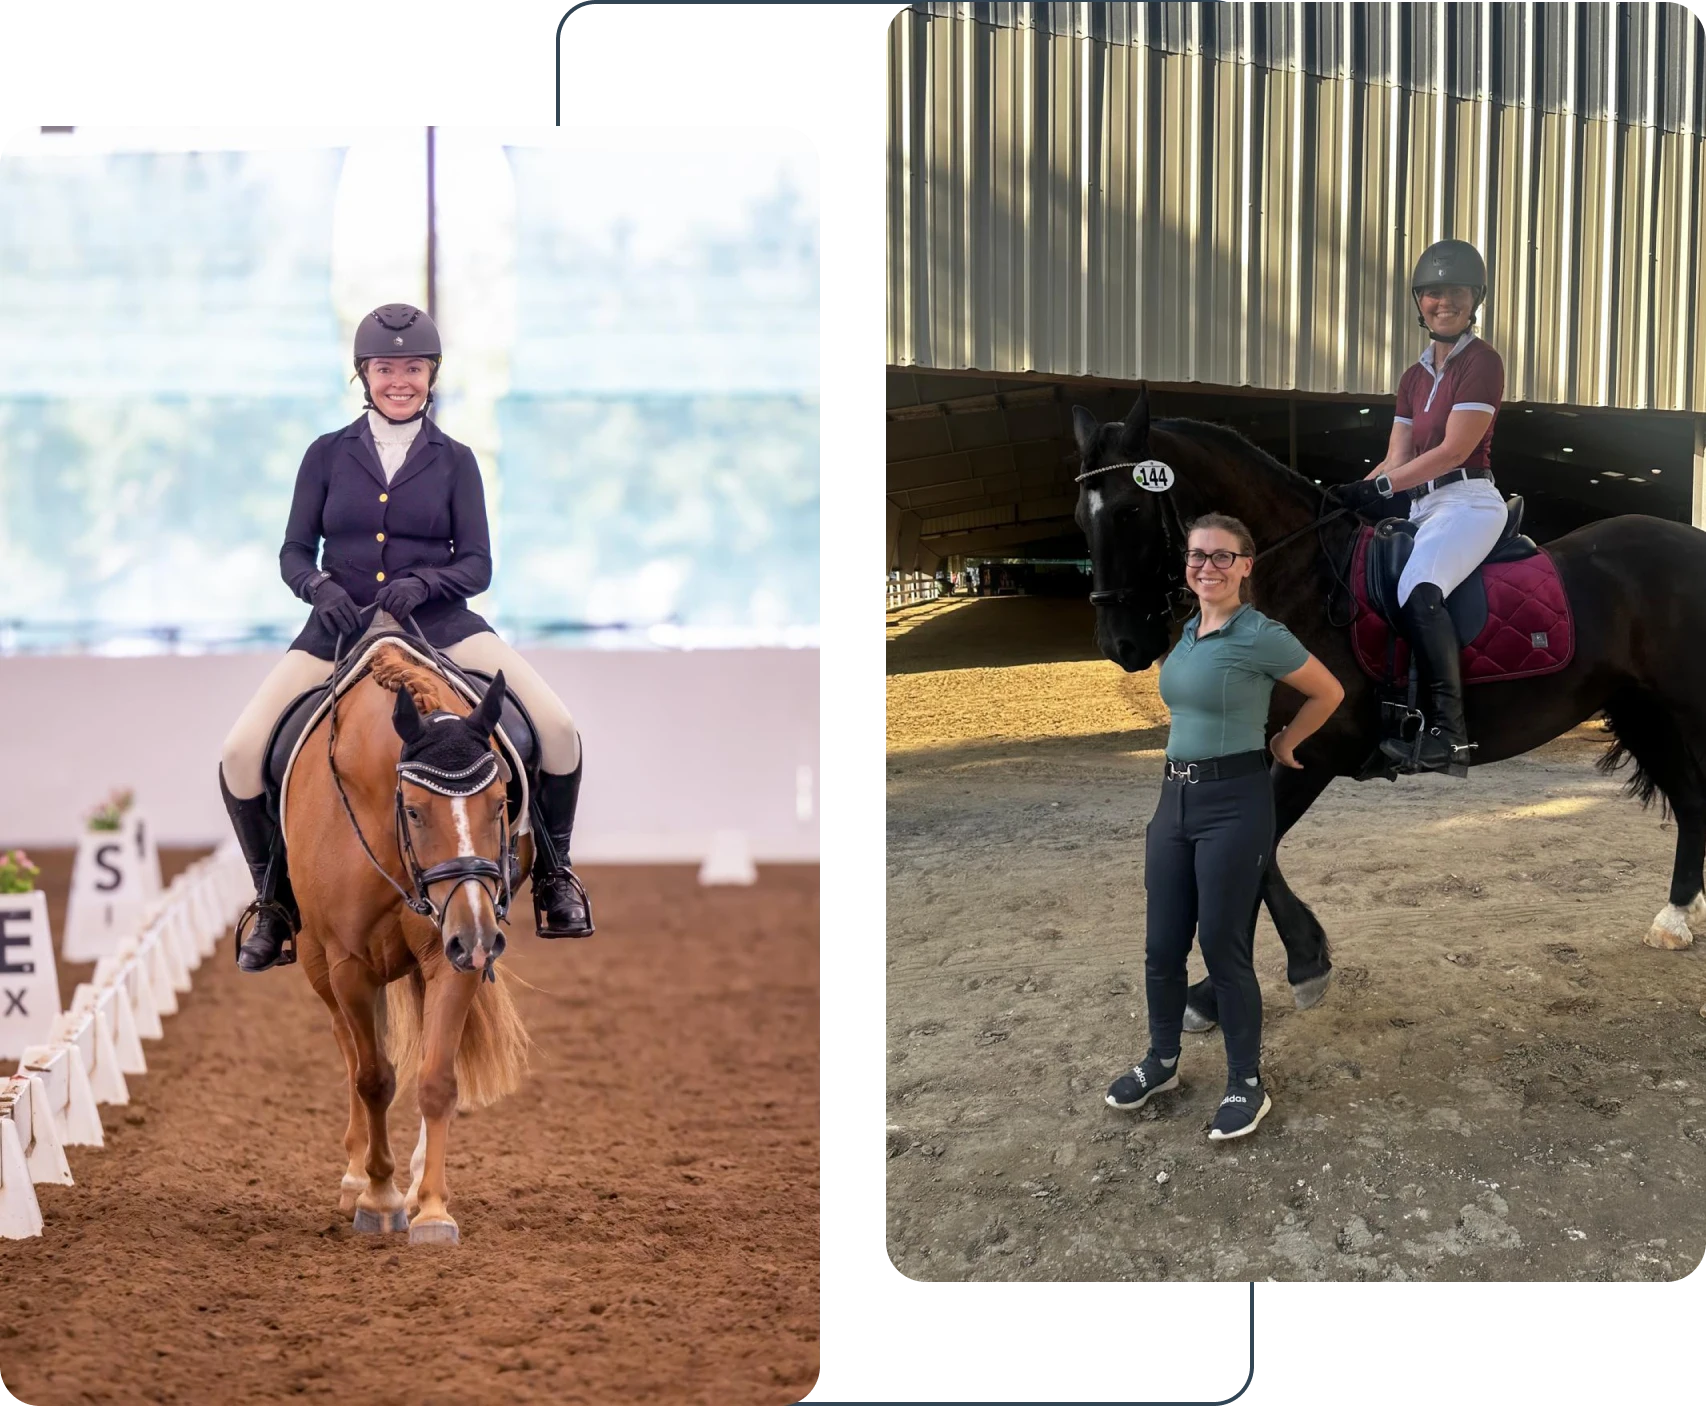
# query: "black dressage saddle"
[[1390, 549], [295, 719]]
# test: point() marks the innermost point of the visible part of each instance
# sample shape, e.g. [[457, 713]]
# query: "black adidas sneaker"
[[1134, 1089], [1245, 1105]]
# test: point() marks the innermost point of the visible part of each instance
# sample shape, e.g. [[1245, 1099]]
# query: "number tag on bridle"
[[1152, 476]]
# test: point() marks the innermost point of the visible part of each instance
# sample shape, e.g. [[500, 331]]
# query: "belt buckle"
[[1184, 773]]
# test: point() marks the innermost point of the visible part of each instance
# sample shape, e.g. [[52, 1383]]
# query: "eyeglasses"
[[1195, 560]]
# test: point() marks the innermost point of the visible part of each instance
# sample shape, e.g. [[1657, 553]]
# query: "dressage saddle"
[[306, 707], [1390, 549]]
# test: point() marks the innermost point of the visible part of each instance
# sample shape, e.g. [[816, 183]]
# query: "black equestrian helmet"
[[397, 329], [1448, 262]]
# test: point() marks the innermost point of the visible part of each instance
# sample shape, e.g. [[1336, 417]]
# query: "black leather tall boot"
[[1444, 742], [271, 942], [560, 904]]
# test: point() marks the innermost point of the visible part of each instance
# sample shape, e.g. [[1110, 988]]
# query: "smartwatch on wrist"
[[1384, 484]]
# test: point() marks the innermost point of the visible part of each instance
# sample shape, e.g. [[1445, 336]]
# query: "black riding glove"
[[1363, 497], [401, 596], [333, 607]]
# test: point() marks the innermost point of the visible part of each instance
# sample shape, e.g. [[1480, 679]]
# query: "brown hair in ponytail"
[[1223, 522]]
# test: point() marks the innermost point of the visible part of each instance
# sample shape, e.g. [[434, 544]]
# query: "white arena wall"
[[679, 745]]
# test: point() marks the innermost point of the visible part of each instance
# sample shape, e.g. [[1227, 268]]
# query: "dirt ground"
[[1502, 1082], [640, 1223]]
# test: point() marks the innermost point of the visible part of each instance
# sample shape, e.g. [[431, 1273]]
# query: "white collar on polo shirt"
[[1427, 356]]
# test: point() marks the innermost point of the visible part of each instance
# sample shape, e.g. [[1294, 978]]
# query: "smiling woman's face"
[[1447, 309], [399, 385], [1215, 585]]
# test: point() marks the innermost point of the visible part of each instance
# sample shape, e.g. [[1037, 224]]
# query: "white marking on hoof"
[[1311, 992], [379, 1222], [349, 1191], [435, 1232], [1695, 913], [1670, 930], [1196, 1022]]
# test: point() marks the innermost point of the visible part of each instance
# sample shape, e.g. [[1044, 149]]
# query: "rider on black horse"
[[401, 511], [1442, 432]]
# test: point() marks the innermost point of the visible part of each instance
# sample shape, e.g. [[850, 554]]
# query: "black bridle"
[[492, 876], [1173, 585]]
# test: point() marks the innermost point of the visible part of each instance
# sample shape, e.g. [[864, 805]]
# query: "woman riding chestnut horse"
[[389, 512]]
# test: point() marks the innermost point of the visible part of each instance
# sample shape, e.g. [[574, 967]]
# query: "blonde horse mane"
[[394, 671]]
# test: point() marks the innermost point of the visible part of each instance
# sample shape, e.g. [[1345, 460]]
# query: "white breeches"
[[1456, 526]]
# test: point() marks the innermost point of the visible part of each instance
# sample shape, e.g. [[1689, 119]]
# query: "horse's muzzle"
[[469, 952]]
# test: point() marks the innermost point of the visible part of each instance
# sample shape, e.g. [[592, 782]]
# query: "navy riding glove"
[[401, 596], [333, 607]]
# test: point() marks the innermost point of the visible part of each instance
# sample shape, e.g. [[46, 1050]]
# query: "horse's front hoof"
[[1196, 1022], [379, 1222], [1670, 931], [434, 1232], [1311, 992]]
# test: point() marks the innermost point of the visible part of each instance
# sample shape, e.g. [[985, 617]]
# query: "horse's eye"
[[413, 814]]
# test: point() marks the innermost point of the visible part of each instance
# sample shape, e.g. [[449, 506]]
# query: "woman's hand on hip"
[[1281, 746]]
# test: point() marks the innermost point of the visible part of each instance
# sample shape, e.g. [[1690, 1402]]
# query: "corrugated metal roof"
[[1236, 193]]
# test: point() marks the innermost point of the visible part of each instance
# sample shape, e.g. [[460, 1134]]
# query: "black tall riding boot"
[[560, 904], [271, 942], [1444, 743]]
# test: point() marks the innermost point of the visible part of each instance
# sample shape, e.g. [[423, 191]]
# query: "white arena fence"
[[51, 1104]]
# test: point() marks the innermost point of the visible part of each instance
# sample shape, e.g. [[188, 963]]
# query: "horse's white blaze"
[[465, 848]]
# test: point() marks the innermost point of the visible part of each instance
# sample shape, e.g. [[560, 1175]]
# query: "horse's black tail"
[[1646, 734]]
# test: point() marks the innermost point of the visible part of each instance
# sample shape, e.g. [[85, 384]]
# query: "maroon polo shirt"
[[1473, 378]]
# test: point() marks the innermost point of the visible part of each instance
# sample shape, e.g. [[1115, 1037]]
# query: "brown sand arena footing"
[[640, 1223]]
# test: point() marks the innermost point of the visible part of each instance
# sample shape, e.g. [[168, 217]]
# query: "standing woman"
[[1212, 834], [399, 507]]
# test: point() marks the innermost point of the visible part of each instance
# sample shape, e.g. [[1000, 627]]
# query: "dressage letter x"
[[15, 1002]]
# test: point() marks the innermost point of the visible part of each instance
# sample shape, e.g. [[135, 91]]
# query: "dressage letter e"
[[7, 939]]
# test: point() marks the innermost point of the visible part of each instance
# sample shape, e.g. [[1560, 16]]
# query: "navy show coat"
[[428, 522]]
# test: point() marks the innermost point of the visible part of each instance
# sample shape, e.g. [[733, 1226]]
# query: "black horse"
[[1637, 659]]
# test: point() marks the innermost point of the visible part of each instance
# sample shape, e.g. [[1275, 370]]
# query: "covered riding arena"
[[1222, 203]]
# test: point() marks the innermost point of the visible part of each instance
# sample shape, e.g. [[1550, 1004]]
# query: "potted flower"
[[109, 814], [18, 872]]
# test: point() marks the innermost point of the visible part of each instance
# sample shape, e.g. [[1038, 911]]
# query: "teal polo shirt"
[[1217, 688]]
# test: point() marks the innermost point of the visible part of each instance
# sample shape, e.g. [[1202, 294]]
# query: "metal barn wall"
[[1236, 193]]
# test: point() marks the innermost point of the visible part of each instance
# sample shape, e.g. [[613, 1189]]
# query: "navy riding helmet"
[[397, 330]]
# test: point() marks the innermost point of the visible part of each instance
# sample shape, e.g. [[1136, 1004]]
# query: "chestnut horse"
[[414, 920]]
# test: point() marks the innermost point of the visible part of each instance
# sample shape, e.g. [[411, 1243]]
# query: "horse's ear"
[[406, 718], [484, 718], [1134, 434], [1086, 430]]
